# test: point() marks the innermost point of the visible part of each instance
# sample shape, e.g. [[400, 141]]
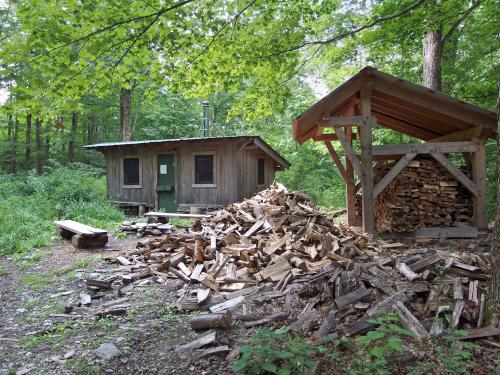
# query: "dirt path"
[[34, 339]]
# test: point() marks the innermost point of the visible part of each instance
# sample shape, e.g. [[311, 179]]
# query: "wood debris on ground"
[[276, 257], [144, 229]]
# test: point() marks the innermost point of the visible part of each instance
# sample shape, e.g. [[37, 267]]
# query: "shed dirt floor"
[[36, 337]]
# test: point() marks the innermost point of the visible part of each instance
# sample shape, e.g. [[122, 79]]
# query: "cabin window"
[[204, 171], [131, 171], [260, 171]]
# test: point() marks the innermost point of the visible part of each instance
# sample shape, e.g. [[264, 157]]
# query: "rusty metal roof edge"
[[263, 145]]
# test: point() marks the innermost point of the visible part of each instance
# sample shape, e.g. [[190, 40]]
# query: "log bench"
[[81, 235]]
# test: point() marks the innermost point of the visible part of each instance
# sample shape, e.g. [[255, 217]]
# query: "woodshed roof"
[[400, 105], [253, 139]]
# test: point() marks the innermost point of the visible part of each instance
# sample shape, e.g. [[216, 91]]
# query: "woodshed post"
[[350, 188], [366, 157], [480, 217]]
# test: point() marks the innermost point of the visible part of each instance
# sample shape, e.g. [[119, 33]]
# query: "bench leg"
[[83, 242], [64, 233], [142, 209]]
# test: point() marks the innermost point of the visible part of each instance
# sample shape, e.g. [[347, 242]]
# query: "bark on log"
[[214, 320]]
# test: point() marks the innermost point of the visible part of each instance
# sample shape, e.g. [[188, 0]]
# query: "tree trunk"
[[27, 156], [47, 144], [91, 129], [9, 142], [494, 297], [15, 133], [71, 144], [38, 147], [125, 120], [433, 52]]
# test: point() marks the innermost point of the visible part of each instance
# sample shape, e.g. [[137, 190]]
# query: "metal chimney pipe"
[[206, 119]]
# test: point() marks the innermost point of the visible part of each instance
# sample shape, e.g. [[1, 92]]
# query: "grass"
[[3, 272], [30, 203], [179, 222], [27, 260], [82, 366], [79, 264], [37, 282], [31, 303]]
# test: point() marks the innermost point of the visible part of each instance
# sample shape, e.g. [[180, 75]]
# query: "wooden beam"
[[427, 100], [426, 120], [348, 150], [338, 122], [366, 155], [338, 162], [480, 217], [405, 127], [425, 148], [462, 135], [451, 232], [395, 170], [350, 190], [303, 124], [457, 173]]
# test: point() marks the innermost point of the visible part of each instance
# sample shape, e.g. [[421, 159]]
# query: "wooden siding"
[[235, 173]]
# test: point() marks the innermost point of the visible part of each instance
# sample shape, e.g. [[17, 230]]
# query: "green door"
[[166, 183]]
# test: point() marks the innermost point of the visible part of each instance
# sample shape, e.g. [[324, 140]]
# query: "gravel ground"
[[33, 341]]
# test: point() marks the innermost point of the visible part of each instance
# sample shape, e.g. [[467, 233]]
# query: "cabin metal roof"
[[397, 104], [255, 139]]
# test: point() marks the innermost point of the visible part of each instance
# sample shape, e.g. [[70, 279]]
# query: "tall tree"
[[27, 155], [46, 153], [38, 147], [15, 133], [9, 141], [432, 55], [71, 143], [494, 296], [125, 114]]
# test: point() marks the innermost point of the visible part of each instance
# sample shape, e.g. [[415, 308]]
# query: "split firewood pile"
[[424, 194], [144, 229], [275, 257]]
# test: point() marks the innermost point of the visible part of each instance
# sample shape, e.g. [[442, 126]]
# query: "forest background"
[[81, 72]]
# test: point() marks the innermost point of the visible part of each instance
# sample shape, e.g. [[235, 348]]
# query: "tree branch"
[[118, 24], [465, 14], [352, 32], [214, 37]]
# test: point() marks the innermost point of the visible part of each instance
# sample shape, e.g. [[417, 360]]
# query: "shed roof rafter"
[[399, 105]]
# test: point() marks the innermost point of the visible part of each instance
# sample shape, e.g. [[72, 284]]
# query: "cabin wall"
[[249, 169], [114, 169], [235, 173]]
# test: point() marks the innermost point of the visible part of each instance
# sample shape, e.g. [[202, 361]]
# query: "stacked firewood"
[[424, 194], [275, 257]]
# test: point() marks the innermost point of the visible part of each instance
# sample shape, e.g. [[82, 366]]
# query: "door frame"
[[157, 207]]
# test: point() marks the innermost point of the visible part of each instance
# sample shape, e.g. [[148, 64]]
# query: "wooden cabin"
[[440, 126], [176, 174]]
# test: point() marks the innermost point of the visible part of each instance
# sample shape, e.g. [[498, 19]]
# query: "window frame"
[[214, 169], [134, 186], [263, 170]]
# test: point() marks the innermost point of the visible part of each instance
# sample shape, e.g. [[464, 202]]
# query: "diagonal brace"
[[391, 175], [457, 173]]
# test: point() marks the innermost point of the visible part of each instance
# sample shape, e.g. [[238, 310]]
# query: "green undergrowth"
[[377, 352], [29, 204]]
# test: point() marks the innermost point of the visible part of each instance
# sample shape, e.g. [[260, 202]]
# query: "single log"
[[81, 241], [214, 320], [407, 272], [409, 320], [350, 298], [328, 324], [198, 343], [271, 318]]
